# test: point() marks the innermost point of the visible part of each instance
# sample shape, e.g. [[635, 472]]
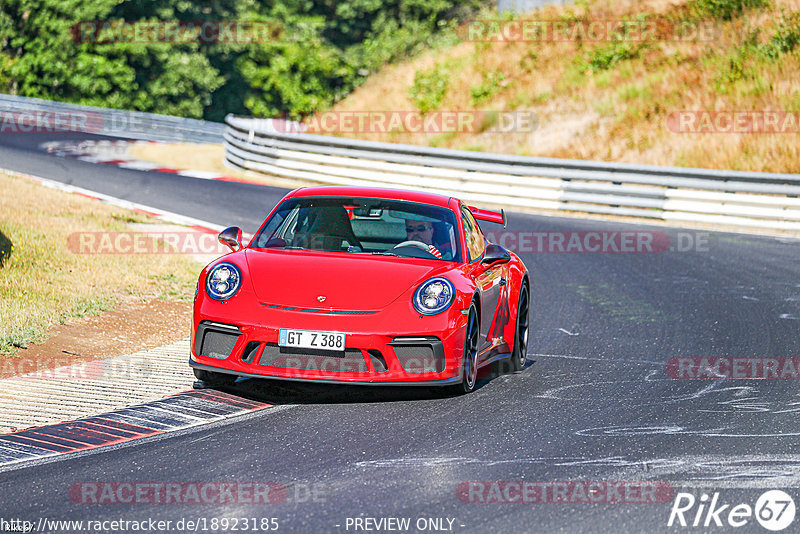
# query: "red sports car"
[[362, 286]]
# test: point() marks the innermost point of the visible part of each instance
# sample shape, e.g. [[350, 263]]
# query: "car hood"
[[349, 282]]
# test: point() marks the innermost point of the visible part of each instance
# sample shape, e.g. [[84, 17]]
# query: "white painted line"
[[138, 165], [203, 175]]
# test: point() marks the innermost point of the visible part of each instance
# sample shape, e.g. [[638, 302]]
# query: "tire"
[[521, 330], [214, 379], [469, 371]]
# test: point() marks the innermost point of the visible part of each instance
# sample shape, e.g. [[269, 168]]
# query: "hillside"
[[708, 85]]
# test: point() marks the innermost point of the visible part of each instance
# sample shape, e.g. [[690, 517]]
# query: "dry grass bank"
[[611, 100]]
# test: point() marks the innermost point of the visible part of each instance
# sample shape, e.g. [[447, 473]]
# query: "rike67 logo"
[[774, 510]]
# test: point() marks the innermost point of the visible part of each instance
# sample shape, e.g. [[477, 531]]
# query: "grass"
[[607, 57], [430, 87], [42, 283], [489, 86], [620, 92]]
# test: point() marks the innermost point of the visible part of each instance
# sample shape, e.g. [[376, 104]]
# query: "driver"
[[422, 231]]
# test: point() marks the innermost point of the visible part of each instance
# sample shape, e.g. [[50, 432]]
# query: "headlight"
[[434, 296], [223, 281]]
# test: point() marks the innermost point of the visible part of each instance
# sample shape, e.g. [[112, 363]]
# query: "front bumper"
[[407, 356], [443, 382]]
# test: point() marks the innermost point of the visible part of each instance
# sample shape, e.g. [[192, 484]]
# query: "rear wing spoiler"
[[488, 215]]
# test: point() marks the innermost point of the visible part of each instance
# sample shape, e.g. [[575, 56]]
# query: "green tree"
[[45, 57], [328, 48]]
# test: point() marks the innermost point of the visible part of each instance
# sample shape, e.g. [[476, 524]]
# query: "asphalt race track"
[[596, 402]]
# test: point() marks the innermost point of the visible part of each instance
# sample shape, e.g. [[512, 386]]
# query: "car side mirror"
[[231, 236], [495, 254]]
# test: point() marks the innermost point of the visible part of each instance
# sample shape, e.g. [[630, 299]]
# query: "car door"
[[489, 279]]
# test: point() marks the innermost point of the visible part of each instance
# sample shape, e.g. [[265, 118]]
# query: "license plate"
[[311, 339]]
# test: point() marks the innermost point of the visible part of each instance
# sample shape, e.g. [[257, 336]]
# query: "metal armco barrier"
[[752, 199], [102, 121]]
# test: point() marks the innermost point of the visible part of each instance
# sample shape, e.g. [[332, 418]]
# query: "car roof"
[[373, 192]]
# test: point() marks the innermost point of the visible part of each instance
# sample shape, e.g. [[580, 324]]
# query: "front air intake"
[[419, 354], [215, 340]]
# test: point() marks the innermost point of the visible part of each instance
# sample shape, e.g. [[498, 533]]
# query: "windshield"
[[362, 226]]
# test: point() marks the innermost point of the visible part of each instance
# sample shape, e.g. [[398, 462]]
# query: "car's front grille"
[[349, 361], [215, 341], [217, 344]]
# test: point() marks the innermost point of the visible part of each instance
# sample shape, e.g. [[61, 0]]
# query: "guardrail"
[[103, 121], [752, 199]]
